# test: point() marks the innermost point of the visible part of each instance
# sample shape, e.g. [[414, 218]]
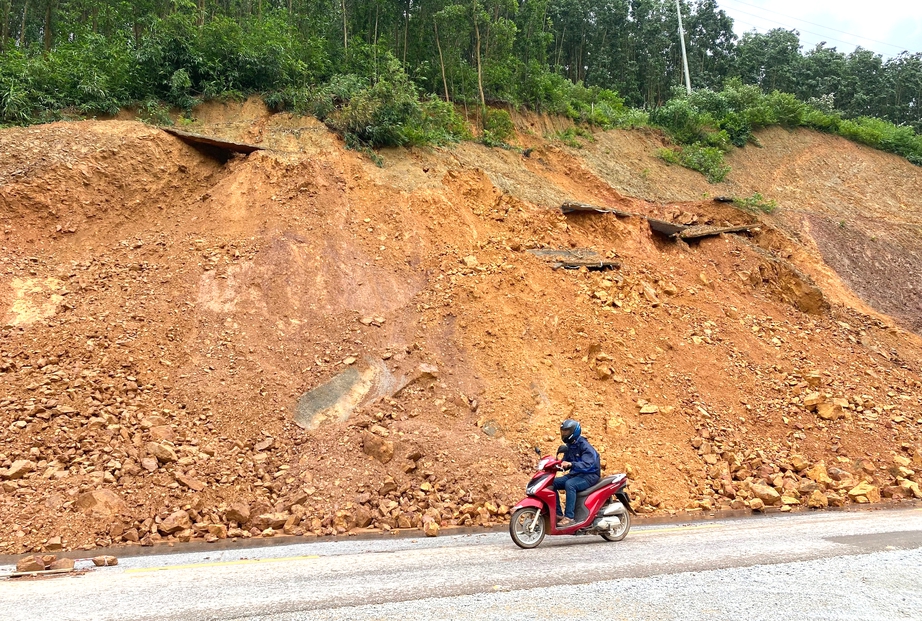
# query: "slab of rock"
[[275, 521], [378, 447], [238, 512], [799, 463], [101, 502], [756, 505], [62, 563], [193, 484], [105, 561], [53, 544], [813, 399], [30, 563], [175, 522], [18, 470], [162, 452], [162, 432], [766, 494]]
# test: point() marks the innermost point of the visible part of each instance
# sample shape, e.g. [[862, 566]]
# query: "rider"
[[584, 465]]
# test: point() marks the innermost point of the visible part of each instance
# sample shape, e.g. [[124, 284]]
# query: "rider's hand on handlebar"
[[565, 465]]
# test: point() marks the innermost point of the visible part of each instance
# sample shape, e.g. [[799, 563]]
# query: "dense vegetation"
[[384, 72]]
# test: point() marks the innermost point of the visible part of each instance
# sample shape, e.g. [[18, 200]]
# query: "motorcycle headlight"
[[536, 484]]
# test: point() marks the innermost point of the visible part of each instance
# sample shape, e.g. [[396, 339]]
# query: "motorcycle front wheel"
[[619, 532], [527, 527]]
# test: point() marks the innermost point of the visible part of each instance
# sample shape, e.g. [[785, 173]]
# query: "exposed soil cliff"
[[165, 317]]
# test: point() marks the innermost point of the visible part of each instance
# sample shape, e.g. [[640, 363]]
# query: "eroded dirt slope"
[[163, 314]]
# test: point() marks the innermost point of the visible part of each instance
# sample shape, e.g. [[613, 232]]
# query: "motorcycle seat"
[[600, 485]]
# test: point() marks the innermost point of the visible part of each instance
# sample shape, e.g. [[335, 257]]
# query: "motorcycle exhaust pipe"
[[615, 508]]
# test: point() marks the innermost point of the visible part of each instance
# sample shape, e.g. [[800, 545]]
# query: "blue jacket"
[[584, 458]]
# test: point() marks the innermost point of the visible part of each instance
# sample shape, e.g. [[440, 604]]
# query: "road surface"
[[833, 565]]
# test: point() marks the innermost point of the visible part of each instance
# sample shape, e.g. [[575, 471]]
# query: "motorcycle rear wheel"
[[619, 533], [520, 527]]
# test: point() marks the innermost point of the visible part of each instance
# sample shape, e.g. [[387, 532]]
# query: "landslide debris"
[[163, 314]]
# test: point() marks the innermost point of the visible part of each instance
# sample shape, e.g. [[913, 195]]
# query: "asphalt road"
[[862, 565]]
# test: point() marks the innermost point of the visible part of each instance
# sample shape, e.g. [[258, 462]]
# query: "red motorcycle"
[[603, 509]]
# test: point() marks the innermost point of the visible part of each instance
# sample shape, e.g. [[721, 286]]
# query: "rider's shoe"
[[565, 522]]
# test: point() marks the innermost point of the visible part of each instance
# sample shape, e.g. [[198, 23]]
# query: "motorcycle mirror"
[[561, 449], [537, 450]]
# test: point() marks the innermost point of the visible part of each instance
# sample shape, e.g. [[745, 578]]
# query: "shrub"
[[707, 160], [756, 202], [497, 127]]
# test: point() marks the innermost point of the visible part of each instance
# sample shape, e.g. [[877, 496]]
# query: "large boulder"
[[864, 492], [238, 512], [766, 494], [175, 522]]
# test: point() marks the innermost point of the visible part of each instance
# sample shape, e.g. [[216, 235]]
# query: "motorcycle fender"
[[529, 502], [625, 500]]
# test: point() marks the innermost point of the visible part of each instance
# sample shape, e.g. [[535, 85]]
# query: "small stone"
[[431, 528], [162, 452], [649, 409], [150, 463], [54, 544], [105, 561], [264, 444], [799, 463], [813, 399], [378, 448], [830, 411], [756, 505], [470, 261], [218, 531], [193, 484], [163, 432]]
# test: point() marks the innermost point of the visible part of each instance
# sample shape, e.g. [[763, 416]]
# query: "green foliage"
[[709, 161], [670, 156], [570, 136], [756, 202], [497, 127]]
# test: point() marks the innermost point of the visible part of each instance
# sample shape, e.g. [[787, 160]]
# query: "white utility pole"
[[678, 9]]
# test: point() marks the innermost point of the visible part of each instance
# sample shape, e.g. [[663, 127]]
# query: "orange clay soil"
[[162, 312]]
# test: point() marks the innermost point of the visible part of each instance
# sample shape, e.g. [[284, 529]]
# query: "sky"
[[885, 26]]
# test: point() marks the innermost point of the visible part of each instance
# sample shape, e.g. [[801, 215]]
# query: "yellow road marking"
[[676, 529], [251, 561]]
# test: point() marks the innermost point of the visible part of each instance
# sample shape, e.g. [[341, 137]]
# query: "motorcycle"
[[604, 509]]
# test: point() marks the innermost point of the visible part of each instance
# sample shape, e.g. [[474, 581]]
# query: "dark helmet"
[[570, 431]]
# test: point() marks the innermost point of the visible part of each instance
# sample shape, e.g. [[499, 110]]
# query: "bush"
[[756, 202], [497, 127], [707, 160]]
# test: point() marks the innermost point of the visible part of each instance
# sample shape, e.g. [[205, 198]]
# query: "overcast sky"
[[872, 24]]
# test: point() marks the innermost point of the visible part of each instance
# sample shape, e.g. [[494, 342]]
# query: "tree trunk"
[[22, 28], [483, 100], [345, 29], [441, 60], [406, 30], [201, 13], [47, 27], [5, 26]]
